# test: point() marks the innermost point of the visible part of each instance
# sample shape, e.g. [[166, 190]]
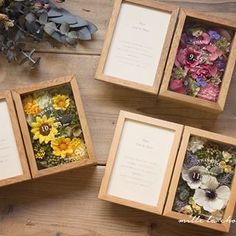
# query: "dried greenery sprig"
[[21, 20]]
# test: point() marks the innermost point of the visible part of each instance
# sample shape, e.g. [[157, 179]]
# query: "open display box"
[[13, 161], [171, 170], [54, 126], [201, 61], [207, 170], [137, 44], [180, 55]]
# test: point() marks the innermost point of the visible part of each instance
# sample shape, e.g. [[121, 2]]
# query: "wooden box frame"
[[188, 131], [112, 156], [165, 93], [173, 10], [17, 93], [6, 95]]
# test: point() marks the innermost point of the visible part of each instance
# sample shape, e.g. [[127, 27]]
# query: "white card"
[[137, 44], [141, 162], [10, 165]]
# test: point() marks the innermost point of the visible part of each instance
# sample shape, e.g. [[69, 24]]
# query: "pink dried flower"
[[203, 39], [177, 86], [187, 57], [210, 92], [215, 53], [202, 56]]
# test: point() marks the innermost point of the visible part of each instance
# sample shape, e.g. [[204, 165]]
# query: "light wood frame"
[[112, 156], [6, 96], [17, 93], [165, 93], [173, 10], [188, 132]]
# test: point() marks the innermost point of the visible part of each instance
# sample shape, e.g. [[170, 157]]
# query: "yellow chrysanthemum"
[[30, 106], [62, 147], [44, 129], [61, 102]]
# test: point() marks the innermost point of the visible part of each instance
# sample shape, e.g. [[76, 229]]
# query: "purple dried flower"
[[178, 204], [190, 160], [220, 63], [214, 35], [226, 179], [201, 82]]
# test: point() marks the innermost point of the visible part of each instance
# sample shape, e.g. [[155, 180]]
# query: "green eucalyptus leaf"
[[30, 18], [84, 34], [64, 28], [54, 12], [50, 28], [43, 19], [72, 37], [92, 28], [57, 36]]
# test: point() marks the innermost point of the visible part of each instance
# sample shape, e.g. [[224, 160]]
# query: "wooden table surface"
[[66, 203]]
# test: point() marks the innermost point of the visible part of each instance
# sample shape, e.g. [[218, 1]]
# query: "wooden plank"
[[96, 11], [72, 208], [103, 101], [99, 12]]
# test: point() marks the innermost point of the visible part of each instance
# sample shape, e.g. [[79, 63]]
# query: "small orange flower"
[[30, 106]]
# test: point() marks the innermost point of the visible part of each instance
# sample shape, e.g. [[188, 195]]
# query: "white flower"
[[44, 100], [196, 143], [194, 176], [210, 196]]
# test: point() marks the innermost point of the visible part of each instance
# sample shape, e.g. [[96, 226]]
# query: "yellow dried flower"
[[61, 102], [30, 106], [227, 156], [227, 169], [5, 19], [187, 210], [222, 164], [196, 208], [62, 147], [40, 154], [44, 129]]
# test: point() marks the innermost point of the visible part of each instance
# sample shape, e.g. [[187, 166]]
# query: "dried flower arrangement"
[[201, 60], [21, 20], [207, 174], [55, 128]]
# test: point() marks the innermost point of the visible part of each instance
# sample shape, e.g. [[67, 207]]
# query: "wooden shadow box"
[[144, 40], [137, 44], [13, 161], [172, 170], [54, 126], [217, 72]]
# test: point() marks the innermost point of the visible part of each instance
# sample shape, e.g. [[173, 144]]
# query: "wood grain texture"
[[99, 12], [66, 204], [71, 208]]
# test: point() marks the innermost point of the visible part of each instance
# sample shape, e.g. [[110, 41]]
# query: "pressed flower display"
[[204, 187], [201, 60], [54, 126]]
